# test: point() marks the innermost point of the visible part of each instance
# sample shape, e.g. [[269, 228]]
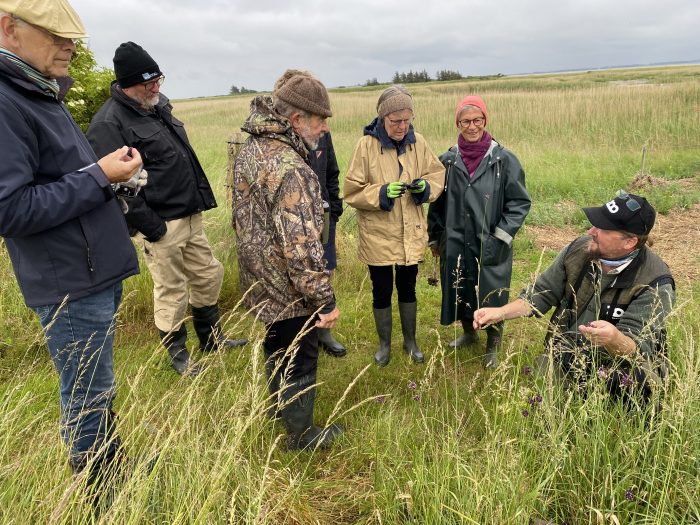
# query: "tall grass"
[[446, 442]]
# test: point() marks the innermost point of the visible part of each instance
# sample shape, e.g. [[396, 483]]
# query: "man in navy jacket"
[[62, 225]]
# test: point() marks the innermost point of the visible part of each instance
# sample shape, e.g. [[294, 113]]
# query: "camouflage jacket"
[[278, 218]]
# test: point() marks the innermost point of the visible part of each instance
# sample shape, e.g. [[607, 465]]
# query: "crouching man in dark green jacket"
[[611, 296]]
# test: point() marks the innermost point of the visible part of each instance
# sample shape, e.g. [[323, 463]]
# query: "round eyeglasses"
[[400, 122], [157, 82], [478, 122]]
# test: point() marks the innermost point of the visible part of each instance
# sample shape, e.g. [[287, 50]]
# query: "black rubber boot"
[[175, 343], [493, 344], [382, 320], [469, 337], [206, 324], [329, 344], [298, 416], [408, 312], [104, 469]]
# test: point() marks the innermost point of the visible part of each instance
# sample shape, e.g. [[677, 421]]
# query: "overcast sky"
[[206, 46]]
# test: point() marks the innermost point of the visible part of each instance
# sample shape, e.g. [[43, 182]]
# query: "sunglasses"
[[631, 203]]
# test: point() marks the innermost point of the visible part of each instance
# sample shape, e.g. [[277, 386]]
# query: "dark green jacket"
[[636, 301], [473, 222]]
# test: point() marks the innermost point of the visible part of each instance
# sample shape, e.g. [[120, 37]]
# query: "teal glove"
[[417, 186], [395, 189]]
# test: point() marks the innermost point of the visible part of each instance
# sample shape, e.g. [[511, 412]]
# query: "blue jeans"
[[80, 336]]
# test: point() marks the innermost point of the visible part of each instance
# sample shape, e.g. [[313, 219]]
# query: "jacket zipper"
[[87, 249]]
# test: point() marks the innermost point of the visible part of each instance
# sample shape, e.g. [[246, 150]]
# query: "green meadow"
[[446, 442]]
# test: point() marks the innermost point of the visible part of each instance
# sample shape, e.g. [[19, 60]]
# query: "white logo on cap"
[[147, 76], [612, 206]]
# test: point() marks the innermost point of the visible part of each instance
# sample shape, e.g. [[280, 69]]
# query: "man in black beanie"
[[166, 217]]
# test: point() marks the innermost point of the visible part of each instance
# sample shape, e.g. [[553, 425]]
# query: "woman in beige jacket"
[[391, 174]]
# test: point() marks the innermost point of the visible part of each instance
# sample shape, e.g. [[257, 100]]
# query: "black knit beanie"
[[132, 65]]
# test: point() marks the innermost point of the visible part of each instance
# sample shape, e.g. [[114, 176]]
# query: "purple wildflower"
[[538, 398], [526, 413], [416, 397], [626, 380], [629, 494], [603, 373], [531, 400], [527, 370], [412, 385], [380, 399]]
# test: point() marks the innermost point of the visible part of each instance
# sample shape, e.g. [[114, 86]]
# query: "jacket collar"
[[16, 76], [490, 157], [264, 121], [376, 130]]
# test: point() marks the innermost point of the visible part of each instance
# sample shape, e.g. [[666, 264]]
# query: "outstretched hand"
[[484, 317]]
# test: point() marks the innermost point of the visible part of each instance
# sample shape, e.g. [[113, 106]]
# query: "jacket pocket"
[[153, 143], [494, 251]]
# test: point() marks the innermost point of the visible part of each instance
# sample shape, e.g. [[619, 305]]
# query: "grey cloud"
[[206, 47]]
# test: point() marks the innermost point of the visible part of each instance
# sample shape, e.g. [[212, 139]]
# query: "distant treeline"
[[422, 76], [235, 90]]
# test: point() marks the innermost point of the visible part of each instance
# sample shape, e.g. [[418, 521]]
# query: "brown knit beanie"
[[394, 98], [302, 90]]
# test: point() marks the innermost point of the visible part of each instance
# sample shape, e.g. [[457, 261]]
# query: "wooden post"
[[235, 143], [644, 158]]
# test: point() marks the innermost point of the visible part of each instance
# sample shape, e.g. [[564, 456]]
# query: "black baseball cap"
[[626, 212]]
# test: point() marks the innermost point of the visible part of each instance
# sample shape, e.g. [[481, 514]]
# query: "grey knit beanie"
[[394, 98], [302, 90]]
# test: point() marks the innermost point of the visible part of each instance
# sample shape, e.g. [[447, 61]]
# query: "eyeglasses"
[[630, 202], [55, 39], [149, 85], [478, 122], [399, 122]]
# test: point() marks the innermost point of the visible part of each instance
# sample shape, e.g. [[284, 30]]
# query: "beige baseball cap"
[[56, 16]]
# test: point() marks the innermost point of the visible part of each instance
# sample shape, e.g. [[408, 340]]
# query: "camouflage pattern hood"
[[264, 121]]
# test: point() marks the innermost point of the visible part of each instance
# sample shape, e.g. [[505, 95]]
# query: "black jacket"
[[62, 224], [177, 186], [322, 160]]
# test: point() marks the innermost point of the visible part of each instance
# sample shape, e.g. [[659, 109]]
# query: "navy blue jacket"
[[63, 227]]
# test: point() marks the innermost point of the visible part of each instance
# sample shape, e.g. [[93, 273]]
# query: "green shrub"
[[91, 87]]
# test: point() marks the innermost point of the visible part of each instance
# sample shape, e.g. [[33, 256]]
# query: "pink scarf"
[[473, 152]]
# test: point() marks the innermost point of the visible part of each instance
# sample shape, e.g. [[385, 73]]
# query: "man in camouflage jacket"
[[278, 218]]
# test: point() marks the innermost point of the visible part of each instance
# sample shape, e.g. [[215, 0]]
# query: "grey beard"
[[311, 146], [149, 103]]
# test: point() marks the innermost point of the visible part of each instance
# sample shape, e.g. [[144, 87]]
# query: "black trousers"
[[382, 286], [297, 361]]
